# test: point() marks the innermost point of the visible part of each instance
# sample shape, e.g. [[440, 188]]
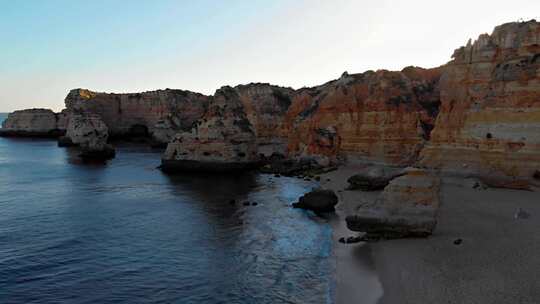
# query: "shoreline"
[[355, 276], [495, 263]]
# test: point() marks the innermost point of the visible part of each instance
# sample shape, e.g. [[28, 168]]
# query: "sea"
[[124, 232]]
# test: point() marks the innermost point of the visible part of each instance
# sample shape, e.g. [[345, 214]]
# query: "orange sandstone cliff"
[[477, 115], [489, 120], [380, 116]]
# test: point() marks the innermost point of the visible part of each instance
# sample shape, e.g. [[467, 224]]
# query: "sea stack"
[[223, 140], [90, 133]]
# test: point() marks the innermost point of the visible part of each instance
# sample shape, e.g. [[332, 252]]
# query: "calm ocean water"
[[123, 232]]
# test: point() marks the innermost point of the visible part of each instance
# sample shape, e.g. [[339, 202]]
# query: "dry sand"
[[497, 262]]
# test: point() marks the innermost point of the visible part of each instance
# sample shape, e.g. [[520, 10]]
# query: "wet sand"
[[357, 281], [498, 260]]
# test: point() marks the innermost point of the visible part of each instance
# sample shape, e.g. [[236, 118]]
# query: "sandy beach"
[[497, 262]]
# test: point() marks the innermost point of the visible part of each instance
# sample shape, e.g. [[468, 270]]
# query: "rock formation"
[[477, 115], [157, 114], [90, 133], [265, 106], [377, 116], [489, 121], [222, 140], [407, 208], [34, 123], [373, 178], [318, 201]]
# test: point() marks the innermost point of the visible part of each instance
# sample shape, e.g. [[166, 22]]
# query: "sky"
[[50, 47]]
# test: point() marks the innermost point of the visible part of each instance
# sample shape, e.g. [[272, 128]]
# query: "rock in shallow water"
[[64, 141], [90, 133], [318, 201], [407, 208]]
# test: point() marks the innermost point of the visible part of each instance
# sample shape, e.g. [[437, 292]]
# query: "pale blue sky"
[[49, 47]]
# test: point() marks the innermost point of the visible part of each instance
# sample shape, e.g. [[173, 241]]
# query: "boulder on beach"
[[90, 133], [373, 178], [318, 201], [407, 207]]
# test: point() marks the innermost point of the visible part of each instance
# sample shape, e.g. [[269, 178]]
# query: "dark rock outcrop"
[[64, 141], [318, 201]]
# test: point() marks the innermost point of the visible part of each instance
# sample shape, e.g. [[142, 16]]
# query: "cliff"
[[265, 106], [157, 114], [489, 120], [380, 116], [34, 123], [477, 115]]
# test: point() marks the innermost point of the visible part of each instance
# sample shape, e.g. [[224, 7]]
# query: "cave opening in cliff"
[[426, 130], [138, 132]]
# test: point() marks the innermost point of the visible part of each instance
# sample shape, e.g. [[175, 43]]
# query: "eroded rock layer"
[[265, 106], [159, 114], [377, 116], [222, 140], [489, 122]]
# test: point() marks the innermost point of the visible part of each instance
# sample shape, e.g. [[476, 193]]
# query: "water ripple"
[[122, 232]]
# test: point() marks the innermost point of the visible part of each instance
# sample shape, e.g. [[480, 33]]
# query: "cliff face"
[[478, 114], [378, 116], [489, 122], [223, 139], [265, 106], [34, 122], [157, 113]]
